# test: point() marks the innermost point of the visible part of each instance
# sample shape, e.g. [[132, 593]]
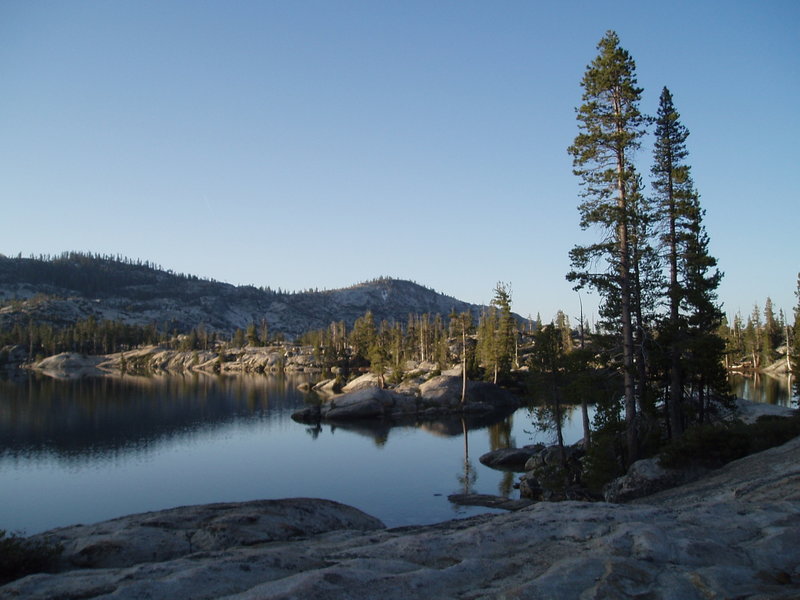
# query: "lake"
[[91, 449], [764, 388], [95, 448]]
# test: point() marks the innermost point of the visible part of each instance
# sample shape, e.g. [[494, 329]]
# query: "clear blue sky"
[[302, 144]]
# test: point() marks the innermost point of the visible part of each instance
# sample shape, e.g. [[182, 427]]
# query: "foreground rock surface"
[[168, 534], [732, 535]]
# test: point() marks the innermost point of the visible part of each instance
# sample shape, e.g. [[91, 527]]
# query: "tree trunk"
[[675, 380], [559, 432], [625, 305], [788, 352], [587, 432], [463, 362]]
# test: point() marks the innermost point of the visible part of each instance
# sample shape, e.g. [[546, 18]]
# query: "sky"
[[305, 144]]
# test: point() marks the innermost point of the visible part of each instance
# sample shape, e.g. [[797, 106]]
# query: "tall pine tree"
[[691, 327], [674, 191], [705, 347], [610, 129]]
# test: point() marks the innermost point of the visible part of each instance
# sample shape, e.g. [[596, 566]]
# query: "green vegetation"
[[762, 340], [610, 128], [715, 445], [658, 340], [20, 556], [388, 345], [88, 336]]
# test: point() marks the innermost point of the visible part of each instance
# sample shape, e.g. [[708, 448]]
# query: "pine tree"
[[701, 280], [487, 343], [772, 333], [610, 128], [674, 189], [363, 335], [378, 354], [646, 281], [465, 327], [506, 334], [691, 330]]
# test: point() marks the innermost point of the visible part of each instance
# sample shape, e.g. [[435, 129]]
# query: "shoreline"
[[732, 533]]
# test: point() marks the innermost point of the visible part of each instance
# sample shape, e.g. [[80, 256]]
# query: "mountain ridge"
[[65, 289]]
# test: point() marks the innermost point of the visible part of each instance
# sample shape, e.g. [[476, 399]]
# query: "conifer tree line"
[[651, 265], [87, 336], [488, 348], [762, 339], [104, 336]]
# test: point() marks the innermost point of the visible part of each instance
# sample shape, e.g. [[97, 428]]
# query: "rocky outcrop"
[[155, 359], [646, 477], [510, 459], [732, 535], [70, 365], [174, 533], [367, 380], [440, 396], [553, 473]]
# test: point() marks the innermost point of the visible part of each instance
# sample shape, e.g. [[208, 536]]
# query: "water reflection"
[[85, 419], [89, 449], [764, 388], [103, 418], [444, 427]]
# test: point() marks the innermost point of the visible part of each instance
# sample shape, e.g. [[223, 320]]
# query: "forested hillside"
[[61, 291]]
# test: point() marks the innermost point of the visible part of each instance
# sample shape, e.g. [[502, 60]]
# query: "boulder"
[[551, 455], [530, 488], [409, 387], [328, 387], [510, 459], [646, 477], [367, 380], [172, 533], [365, 403], [70, 365], [444, 390]]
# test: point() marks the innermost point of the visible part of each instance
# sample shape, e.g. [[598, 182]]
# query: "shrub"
[[20, 556], [605, 459], [713, 446]]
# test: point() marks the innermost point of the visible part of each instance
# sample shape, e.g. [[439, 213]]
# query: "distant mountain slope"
[[73, 286]]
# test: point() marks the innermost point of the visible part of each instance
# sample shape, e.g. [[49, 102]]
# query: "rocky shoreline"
[[427, 398], [155, 359], [732, 534]]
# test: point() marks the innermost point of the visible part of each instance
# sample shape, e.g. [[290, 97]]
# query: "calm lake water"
[[92, 449], [764, 388]]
